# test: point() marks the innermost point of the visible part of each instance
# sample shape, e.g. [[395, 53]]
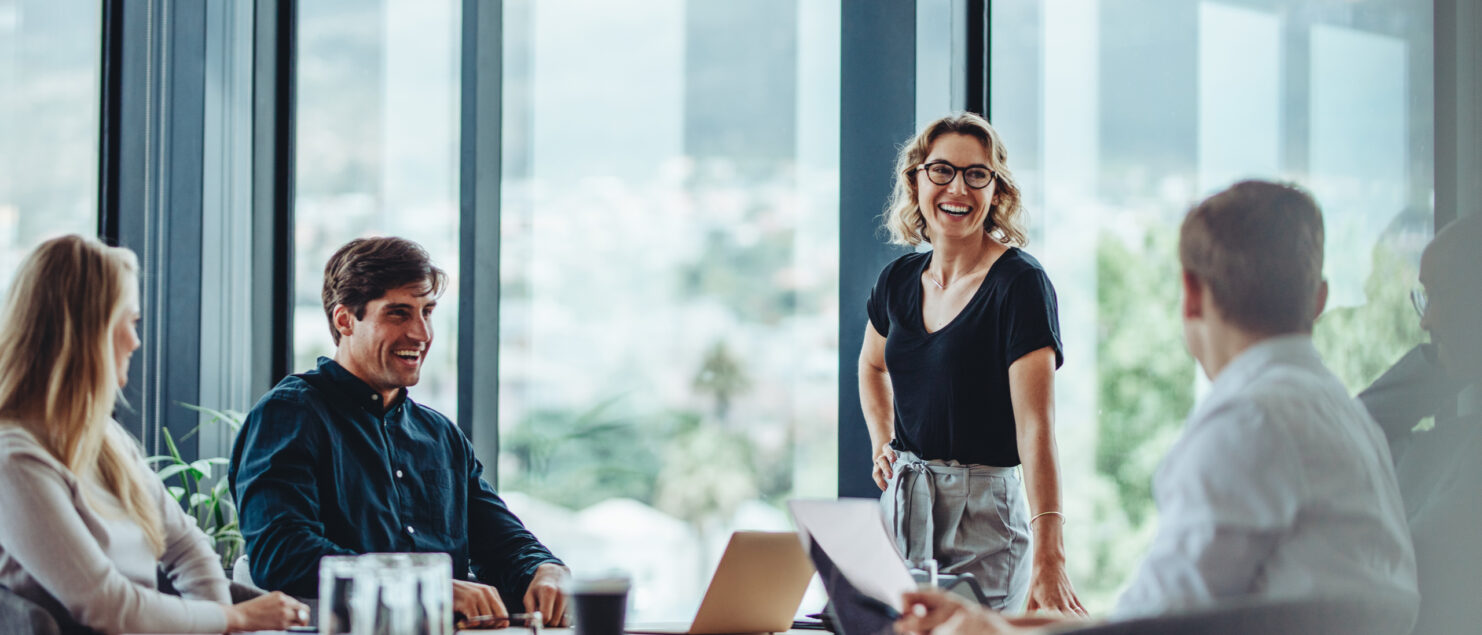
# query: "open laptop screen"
[[853, 612]]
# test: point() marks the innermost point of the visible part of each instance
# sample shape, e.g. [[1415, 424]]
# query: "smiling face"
[[386, 348], [954, 210], [126, 332]]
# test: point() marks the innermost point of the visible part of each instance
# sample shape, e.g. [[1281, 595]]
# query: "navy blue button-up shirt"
[[322, 468]]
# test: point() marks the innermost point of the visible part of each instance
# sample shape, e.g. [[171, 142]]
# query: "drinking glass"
[[386, 593]]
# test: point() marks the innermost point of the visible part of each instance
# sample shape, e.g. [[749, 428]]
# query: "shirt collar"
[[1294, 349], [354, 388]]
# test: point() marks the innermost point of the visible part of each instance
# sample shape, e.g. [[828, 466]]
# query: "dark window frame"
[[878, 49], [150, 194], [480, 165], [151, 177]]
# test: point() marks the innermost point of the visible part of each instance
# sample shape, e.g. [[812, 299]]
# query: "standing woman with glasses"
[[83, 523], [957, 374]]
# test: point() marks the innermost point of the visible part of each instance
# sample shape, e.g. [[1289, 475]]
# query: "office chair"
[[20, 616]]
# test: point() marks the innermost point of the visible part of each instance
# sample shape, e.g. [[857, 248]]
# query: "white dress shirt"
[[1281, 487]]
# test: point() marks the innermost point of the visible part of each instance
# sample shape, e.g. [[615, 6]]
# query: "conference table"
[[513, 630]]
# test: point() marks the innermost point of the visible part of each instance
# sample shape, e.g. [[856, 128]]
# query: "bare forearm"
[[877, 401], [1042, 484], [1032, 384]]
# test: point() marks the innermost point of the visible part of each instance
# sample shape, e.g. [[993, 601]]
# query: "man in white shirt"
[[1281, 487]]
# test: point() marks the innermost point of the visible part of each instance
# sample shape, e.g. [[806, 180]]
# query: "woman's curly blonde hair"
[[903, 217]]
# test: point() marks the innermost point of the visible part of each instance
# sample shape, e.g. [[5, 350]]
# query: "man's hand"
[[926, 610], [545, 594], [476, 600], [937, 612]]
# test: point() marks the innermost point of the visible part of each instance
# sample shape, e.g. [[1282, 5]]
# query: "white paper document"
[[852, 532]]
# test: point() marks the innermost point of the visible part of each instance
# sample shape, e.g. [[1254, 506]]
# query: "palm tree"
[[722, 377]]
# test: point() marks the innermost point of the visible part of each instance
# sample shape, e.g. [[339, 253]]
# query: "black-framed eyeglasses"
[[942, 173], [1419, 300]]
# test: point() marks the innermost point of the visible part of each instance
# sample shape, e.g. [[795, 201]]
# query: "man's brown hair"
[[366, 268], [1258, 246]]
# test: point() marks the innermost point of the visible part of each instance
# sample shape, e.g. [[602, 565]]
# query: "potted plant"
[[203, 493]]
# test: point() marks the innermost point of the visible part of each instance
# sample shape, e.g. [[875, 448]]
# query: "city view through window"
[[49, 84], [669, 279], [1119, 116]]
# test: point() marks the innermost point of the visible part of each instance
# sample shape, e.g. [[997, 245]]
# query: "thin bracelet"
[[1037, 516]]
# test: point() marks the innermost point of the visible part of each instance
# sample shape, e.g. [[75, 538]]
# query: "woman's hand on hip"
[[882, 470]]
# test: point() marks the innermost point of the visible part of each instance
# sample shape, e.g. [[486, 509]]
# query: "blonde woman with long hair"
[[957, 374], [85, 525]]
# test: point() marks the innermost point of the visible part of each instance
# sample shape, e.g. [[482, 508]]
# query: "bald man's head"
[[1451, 272]]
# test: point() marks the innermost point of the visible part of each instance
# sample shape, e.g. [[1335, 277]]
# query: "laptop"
[[862, 572], [851, 611], [756, 588]]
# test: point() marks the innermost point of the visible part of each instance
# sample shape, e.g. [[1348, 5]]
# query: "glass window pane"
[[1118, 116], [49, 83], [668, 326], [377, 125]]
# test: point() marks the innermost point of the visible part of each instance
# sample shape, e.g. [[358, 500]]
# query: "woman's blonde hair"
[[58, 375], [903, 217]]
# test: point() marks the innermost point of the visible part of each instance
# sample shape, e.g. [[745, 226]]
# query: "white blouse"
[[93, 566]]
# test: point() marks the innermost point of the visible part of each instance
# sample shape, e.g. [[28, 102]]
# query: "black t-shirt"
[[952, 386]]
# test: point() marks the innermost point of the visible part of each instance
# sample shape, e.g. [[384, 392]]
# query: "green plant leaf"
[[232, 418], [171, 471], [202, 468], [170, 444], [209, 503]]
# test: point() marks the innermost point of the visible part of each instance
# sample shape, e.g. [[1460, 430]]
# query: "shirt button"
[[411, 531], [398, 474], [375, 397]]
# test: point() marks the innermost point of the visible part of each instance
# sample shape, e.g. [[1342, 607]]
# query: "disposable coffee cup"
[[600, 604]]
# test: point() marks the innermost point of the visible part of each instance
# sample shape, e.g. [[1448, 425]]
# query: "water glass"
[[336, 583], [386, 594]]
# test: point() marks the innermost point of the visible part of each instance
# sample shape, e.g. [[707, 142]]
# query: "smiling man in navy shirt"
[[340, 460]]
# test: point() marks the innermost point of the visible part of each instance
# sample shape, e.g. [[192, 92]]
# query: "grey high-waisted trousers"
[[969, 518]]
